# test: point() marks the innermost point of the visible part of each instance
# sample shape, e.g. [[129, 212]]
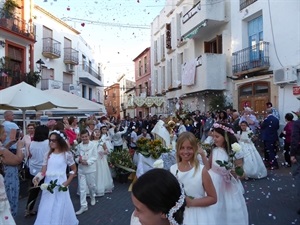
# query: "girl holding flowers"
[[56, 207], [225, 164]]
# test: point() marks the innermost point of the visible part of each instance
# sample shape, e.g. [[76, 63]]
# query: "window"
[[214, 46], [246, 90], [141, 89], [145, 64], [90, 93], [146, 89], [168, 36], [162, 47], [140, 68]]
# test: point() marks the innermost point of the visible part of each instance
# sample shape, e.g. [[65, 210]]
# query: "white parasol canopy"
[[26, 97], [81, 103]]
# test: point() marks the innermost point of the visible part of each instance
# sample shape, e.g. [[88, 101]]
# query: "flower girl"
[[231, 207], [253, 163], [56, 207]]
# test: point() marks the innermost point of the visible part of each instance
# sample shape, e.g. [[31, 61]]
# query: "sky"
[[116, 45]]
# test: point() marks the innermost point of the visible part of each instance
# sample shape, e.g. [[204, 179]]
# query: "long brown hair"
[[61, 139], [188, 136]]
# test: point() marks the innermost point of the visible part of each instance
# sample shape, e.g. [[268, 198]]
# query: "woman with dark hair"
[[158, 198], [37, 150], [56, 207], [287, 136], [231, 206]]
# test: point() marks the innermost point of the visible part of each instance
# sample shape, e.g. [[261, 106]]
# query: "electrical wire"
[[105, 23], [273, 38]]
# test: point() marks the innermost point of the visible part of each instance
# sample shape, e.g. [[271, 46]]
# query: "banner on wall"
[[148, 101]]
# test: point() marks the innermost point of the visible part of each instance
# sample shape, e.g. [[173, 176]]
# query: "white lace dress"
[[5, 214], [56, 208], [253, 164]]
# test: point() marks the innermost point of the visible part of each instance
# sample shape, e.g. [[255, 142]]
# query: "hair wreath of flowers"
[[177, 206], [59, 133], [227, 129]]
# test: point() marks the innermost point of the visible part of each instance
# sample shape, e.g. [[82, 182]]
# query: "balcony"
[[245, 3], [18, 26], [47, 84], [89, 75], [51, 48], [70, 56], [203, 17], [251, 59], [210, 74]]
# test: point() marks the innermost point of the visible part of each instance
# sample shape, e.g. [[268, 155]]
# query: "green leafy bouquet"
[[53, 184], [229, 165]]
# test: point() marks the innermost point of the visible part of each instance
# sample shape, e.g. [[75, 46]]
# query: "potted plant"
[[8, 9], [7, 13], [33, 78]]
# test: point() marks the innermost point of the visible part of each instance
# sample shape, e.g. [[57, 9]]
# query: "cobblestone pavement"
[[270, 201]]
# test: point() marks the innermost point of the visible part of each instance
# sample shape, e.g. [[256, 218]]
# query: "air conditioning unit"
[[285, 75], [70, 68]]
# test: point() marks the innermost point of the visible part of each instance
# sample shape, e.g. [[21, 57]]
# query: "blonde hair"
[[188, 136]]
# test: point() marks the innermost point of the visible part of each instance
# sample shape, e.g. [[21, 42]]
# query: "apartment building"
[[17, 38], [67, 60], [201, 49], [265, 57], [142, 65], [112, 101], [190, 53]]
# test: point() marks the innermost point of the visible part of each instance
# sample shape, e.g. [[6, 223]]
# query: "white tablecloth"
[[145, 164]]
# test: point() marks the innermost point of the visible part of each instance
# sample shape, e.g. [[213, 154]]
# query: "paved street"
[[270, 201]]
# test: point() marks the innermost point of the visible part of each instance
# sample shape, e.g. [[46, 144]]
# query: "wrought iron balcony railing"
[[70, 56], [245, 3], [91, 70], [18, 26], [51, 48], [253, 58]]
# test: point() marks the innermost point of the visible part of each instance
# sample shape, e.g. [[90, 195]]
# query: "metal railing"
[[245, 3], [71, 56], [19, 26], [51, 46], [91, 70], [256, 56], [193, 11]]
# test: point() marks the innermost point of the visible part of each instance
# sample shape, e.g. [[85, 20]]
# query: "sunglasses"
[[52, 140]]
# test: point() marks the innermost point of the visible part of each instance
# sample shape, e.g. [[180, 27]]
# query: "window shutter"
[[168, 36], [219, 44], [207, 47]]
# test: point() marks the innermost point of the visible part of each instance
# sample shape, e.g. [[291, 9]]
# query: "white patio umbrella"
[[82, 103], [26, 97]]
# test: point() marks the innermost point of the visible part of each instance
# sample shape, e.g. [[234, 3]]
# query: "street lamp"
[[39, 64]]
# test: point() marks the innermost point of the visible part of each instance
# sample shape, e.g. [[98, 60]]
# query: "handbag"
[[24, 172]]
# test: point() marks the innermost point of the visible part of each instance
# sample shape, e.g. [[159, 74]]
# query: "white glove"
[[36, 180]]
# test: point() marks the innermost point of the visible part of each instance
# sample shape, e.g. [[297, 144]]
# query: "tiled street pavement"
[[113, 209], [270, 201]]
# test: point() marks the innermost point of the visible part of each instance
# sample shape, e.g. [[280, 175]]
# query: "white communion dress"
[[5, 215], [230, 208], [253, 163], [56, 208], [193, 187]]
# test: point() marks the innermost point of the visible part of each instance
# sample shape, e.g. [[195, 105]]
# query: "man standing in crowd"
[[274, 111], [295, 156], [269, 136]]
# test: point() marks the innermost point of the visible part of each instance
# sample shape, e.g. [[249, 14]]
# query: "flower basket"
[[151, 148], [122, 163]]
